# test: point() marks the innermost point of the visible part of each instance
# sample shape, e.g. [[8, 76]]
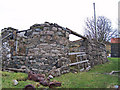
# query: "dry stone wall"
[[8, 46], [78, 46], [43, 48], [95, 51]]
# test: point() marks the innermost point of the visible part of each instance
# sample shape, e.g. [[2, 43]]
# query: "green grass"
[[8, 77], [91, 79], [107, 67]]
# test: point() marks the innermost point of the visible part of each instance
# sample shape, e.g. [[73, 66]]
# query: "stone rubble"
[[43, 80], [15, 82]]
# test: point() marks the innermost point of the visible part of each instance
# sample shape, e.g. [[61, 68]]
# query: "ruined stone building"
[[45, 48]]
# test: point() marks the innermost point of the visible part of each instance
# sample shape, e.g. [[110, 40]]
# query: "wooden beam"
[[6, 36], [88, 68], [74, 33], [78, 62], [114, 72], [16, 70], [75, 53], [81, 55]]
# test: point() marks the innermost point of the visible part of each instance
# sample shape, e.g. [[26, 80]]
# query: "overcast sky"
[[21, 14]]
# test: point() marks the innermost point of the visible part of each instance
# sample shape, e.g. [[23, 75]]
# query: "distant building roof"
[[115, 40]]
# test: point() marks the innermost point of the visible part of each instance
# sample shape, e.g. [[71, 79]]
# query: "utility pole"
[[118, 19], [95, 21], [95, 24]]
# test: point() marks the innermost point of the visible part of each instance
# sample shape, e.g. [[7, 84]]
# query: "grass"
[[8, 77], [92, 79], [107, 67], [89, 79]]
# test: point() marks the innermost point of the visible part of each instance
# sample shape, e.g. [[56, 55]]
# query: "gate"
[[80, 60]]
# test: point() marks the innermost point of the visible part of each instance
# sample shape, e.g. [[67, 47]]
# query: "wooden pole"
[[85, 61], [78, 64], [95, 21]]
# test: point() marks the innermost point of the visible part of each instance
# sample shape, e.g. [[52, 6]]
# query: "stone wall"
[[78, 46], [8, 46], [0, 62], [95, 51], [43, 48]]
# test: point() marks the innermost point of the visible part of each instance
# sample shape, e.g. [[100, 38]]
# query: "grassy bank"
[[95, 78]]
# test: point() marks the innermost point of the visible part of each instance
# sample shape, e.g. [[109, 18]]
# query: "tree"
[[104, 30]]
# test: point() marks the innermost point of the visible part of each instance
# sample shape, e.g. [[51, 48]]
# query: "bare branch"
[[104, 29]]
